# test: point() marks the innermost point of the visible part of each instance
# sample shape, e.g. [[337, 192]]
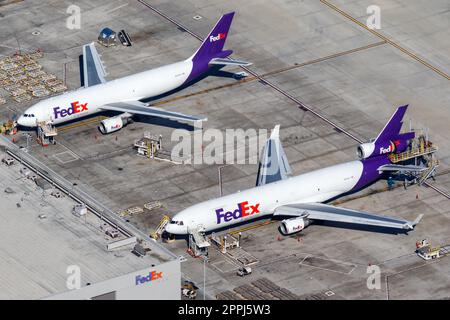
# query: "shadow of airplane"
[[214, 71]]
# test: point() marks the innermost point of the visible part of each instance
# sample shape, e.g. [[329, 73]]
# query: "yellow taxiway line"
[[265, 223], [81, 123]]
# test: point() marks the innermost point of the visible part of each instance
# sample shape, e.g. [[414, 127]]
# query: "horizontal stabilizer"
[[417, 220], [320, 211], [93, 69], [401, 168], [137, 107], [229, 62]]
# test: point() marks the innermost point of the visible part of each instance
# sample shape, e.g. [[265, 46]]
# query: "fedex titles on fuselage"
[[243, 210], [75, 107]]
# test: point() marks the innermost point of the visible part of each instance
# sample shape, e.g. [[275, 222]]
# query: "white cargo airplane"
[[300, 199], [125, 94]]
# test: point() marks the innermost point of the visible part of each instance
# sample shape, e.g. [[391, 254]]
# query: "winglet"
[[415, 222], [410, 226], [275, 132]]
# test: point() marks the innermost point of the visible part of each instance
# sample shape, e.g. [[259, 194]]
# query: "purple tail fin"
[[212, 46], [392, 128], [391, 133], [389, 140]]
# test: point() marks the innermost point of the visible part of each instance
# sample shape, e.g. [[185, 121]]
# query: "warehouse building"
[[46, 250], [161, 282]]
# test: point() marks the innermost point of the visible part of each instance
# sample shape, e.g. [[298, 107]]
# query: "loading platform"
[[151, 147], [423, 152], [225, 242], [430, 172], [160, 228], [46, 133], [411, 154], [198, 245]]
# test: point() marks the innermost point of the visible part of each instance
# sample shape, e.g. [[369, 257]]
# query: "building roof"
[[36, 252]]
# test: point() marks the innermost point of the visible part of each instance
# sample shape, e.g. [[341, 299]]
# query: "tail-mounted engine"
[[377, 148], [372, 149], [389, 140]]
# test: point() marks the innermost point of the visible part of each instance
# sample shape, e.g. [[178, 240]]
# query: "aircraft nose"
[[174, 229], [170, 229], [26, 122], [21, 121]]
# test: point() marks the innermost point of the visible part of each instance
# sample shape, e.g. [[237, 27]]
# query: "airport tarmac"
[[313, 50]]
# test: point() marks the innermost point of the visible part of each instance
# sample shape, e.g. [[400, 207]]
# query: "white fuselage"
[[316, 186], [89, 100]]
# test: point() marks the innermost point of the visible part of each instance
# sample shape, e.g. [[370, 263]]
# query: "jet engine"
[[112, 124], [370, 149], [293, 225], [365, 150]]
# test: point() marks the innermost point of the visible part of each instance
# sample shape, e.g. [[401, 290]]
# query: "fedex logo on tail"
[[220, 36], [243, 210], [389, 149], [75, 107]]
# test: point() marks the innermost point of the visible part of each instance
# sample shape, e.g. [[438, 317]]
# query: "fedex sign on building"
[[151, 276], [243, 210]]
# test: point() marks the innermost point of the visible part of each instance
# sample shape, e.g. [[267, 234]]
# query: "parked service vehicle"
[[8, 161], [113, 233], [189, 290], [244, 271]]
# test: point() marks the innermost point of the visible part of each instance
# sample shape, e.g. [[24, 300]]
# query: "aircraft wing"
[[273, 165], [401, 168], [93, 69], [320, 211], [137, 107], [229, 62]]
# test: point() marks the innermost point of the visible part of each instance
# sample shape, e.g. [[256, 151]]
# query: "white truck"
[[8, 161], [244, 271]]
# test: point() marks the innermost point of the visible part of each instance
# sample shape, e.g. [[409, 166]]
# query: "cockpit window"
[[28, 115], [178, 223]]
